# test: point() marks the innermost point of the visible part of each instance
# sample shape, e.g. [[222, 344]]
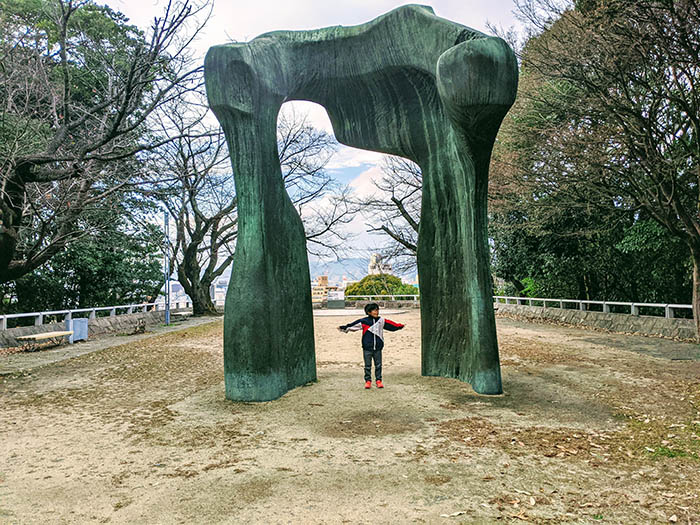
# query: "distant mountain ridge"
[[353, 268]]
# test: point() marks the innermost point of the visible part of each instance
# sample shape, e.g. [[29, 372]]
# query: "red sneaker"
[[379, 383], [368, 384]]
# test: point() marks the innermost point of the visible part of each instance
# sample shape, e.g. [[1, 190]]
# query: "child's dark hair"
[[371, 306]]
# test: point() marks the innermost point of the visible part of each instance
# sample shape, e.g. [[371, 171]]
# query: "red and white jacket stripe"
[[372, 330]]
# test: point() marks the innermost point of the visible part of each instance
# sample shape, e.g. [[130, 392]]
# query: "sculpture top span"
[[381, 82], [407, 83]]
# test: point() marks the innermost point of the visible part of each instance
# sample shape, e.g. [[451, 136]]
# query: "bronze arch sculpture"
[[407, 83]]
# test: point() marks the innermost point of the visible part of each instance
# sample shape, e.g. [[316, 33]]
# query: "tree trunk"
[[581, 288], [189, 274], [201, 300], [11, 206], [195, 288], [695, 251], [519, 286]]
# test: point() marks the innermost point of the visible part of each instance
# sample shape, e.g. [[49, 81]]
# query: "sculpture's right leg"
[[477, 82], [268, 323]]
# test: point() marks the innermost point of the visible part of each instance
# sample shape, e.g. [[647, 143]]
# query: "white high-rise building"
[[376, 266]]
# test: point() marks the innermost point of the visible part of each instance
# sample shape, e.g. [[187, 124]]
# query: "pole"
[[166, 267]]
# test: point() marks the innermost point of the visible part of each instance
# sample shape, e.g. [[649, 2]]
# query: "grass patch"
[[666, 452], [660, 440]]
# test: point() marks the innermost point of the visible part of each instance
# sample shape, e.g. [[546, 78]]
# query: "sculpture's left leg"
[[268, 323]]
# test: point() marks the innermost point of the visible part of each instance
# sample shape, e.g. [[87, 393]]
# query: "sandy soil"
[[589, 430]]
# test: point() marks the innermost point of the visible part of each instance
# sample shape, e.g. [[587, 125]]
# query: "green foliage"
[[93, 33], [117, 265], [586, 6], [532, 288], [381, 284], [585, 255], [77, 84], [556, 230]]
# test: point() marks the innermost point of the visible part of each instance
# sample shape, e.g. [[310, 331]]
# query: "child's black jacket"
[[372, 330]]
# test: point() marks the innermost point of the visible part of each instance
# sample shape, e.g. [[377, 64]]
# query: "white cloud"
[[347, 157], [363, 185], [242, 20], [316, 113]]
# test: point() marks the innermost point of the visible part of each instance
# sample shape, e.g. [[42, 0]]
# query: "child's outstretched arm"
[[352, 327], [391, 325]]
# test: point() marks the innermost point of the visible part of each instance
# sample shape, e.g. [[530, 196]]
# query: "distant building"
[[376, 266], [217, 291], [319, 291], [177, 293]]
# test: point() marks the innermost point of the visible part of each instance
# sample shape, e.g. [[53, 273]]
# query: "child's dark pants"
[[377, 356]]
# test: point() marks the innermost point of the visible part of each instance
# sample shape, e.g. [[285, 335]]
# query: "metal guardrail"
[[634, 308], [144, 307], [583, 305], [92, 312], [386, 297]]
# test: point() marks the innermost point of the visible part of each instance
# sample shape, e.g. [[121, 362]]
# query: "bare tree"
[[394, 210], [78, 87], [322, 203], [192, 177], [323, 221]]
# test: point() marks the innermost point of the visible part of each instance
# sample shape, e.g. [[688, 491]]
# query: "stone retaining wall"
[[622, 323], [125, 323]]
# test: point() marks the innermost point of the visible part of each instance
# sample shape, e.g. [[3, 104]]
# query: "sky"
[[243, 20]]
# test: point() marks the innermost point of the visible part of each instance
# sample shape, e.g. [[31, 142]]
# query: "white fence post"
[[39, 320], [669, 311], [3, 323], [606, 308], [634, 309], [113, 312], [582, 306]]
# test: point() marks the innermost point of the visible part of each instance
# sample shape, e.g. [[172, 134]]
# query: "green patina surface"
[[407, 83]]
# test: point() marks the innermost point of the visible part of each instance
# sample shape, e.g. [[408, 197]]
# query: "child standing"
[[373, 328]]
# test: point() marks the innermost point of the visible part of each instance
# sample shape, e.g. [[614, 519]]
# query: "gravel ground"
[[592, 428]]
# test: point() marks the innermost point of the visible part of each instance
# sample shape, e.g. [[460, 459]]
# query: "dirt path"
[[18, 361], [588, 431]]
